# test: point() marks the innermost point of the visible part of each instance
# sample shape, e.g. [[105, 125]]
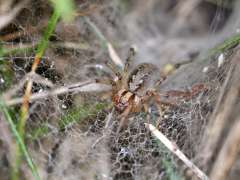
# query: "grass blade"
[[19, 140]]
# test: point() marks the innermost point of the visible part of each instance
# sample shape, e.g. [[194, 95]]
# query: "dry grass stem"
[[30, 76], [175, 150], [7, 17], [22, 33], [71, 45], [87, 86], [114, 56]]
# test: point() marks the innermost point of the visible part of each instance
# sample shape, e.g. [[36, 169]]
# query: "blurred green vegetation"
[[72, 116], [6, 75], [61, 8], [81, 112], [20, 142], [167, 161], [228, 44], [38, 132]]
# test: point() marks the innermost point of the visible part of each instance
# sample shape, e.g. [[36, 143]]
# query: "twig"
[[71, 45], [30, 76], [174, 149], [21, 33], [87, 86], [6, 18], [27, 47], [114, 56], [17, 49]]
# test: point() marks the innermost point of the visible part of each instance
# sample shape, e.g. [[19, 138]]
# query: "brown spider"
[[133, 91]]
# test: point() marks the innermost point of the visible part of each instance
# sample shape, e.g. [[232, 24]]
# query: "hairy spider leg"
[[159, 103], [135, 105], [129, 59], [123, 118], [114, 69], [112, 83], [183, 94], [106, 81], [127, 64], [118, 76], [146, 109], [196, 89]]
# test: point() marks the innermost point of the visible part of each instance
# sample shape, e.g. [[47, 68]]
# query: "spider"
[[132, 91]]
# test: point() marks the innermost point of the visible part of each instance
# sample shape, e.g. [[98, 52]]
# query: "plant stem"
[[25, 106]]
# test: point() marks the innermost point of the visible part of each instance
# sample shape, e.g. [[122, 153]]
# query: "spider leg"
[[161, 112], [171, 68], [106, 81], [123, 118], [159, 103], [197, 88], [146, 109], [114, 69], [158, 100], [131, 53]]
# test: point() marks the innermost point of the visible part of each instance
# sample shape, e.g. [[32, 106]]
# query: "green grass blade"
[[50, 28], [65, 8], [19, 140], [98, 33], [226, 45]]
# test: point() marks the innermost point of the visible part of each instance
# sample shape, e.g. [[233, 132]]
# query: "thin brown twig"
[[27, 31], [35, 77], [114, 56], [7, 17]]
